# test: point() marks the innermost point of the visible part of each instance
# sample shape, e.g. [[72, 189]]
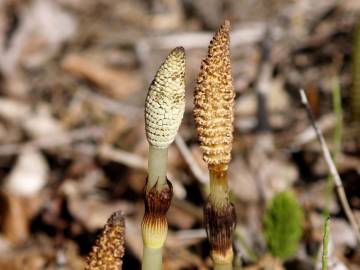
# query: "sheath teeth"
[[214, 100], [165, 101]]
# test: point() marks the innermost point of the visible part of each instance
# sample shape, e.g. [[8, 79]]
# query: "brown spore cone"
[[214, 100], [109, 248]]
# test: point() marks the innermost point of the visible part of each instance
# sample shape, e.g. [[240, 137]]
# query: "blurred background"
[[73, 78]]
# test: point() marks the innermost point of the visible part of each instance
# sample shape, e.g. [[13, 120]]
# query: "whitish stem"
[[157, 162], [152, 259]]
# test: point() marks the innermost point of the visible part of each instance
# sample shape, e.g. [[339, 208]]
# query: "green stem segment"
[[355, 91], [152, 258], [337, 137], [325, 245]]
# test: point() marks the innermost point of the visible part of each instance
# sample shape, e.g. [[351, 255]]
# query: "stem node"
[[154, 225], [220, 222]]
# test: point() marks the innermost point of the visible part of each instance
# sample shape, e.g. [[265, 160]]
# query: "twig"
[[338, 183], [190, 234], [55, 140], [240, 36], [246, 34], [189, 159], [110, 105], [123, 157], [191, 209], [325, 123], [250, 252]]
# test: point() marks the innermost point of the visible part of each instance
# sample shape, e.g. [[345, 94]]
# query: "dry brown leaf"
[[272, 171], [117, 83], [15, 222], [180, 218], [92, 211], [265, 263], [242, 181], [13, 111], [44, 27], [29, 175], [182, 259], [17, 212], [40, 254], [42, 123], [116, 126]]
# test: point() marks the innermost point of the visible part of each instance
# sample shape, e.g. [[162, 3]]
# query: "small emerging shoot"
[[283, 225]]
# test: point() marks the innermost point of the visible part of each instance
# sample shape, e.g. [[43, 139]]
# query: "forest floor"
[[73, 79]]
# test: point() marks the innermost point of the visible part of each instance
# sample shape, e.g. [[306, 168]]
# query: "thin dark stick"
[[332, 168]]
